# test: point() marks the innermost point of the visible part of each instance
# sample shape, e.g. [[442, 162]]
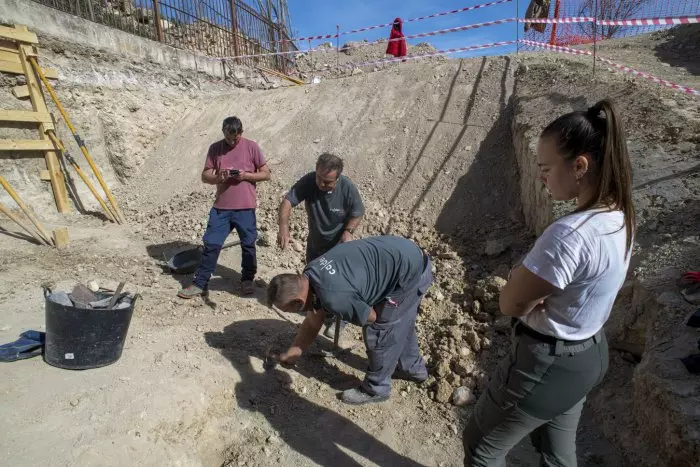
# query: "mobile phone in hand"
[[233, 173]]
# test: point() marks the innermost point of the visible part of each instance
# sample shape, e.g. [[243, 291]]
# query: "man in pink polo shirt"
[[234, 164]]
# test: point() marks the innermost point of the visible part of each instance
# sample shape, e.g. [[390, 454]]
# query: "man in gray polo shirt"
[[377, 283], [333, 207]]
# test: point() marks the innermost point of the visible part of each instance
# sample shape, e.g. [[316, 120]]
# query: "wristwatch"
[[352, 231]]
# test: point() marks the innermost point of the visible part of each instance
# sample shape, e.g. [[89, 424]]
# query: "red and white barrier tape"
[[651, 21], [432, 54], [572, 19], [647, 76], [269, 54], [625, 22], [413, 36], [420, 18], [438, 32]]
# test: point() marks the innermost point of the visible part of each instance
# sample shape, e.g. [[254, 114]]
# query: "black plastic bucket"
[[79, 339]]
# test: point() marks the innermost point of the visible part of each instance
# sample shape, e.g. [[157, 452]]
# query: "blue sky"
[[316, 17]]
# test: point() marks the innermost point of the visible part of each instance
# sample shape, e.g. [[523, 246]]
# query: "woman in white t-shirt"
[[561, 295]]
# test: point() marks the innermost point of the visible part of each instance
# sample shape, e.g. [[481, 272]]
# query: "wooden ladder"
[[16, 45]]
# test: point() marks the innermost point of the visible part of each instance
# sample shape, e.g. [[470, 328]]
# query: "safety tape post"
[[641, 74]]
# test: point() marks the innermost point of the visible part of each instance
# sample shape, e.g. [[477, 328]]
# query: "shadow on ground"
[[681, 49], [485, 202], [19, 235], [321, 435], [224, 279]]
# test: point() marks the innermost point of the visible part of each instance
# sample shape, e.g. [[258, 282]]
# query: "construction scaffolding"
[[214, 27]]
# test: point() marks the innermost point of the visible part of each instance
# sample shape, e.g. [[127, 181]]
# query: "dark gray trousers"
[[391, 341], [540, 390]]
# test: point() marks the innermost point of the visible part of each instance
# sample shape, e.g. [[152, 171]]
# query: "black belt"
[[559, 345]]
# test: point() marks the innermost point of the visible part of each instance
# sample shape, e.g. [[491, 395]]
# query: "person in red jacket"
[[397, 47]]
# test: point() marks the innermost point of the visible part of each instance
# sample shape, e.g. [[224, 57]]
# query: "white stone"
[[463, 396]]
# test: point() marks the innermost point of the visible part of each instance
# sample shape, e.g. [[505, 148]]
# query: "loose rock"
[[443, 392], [463, 396], [495, 247]]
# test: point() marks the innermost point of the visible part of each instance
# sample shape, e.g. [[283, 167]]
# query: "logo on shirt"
[[326, 265]]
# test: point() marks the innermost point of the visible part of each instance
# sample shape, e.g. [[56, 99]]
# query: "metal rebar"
[[517, 27], [311, 56], [595, 37]]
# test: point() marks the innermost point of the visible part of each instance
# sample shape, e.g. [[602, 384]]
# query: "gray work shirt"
[[327, 212], [352, 277]]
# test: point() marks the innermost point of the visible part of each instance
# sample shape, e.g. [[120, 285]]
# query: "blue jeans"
[[221, 223]]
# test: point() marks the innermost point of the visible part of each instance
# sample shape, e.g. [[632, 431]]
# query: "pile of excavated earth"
[[447, 161], [355, 57]]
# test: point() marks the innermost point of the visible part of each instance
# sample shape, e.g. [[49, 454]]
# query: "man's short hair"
[[328, 162], [283, 287], [232, 125]]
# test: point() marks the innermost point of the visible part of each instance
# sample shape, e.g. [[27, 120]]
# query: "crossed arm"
[[524, 293]]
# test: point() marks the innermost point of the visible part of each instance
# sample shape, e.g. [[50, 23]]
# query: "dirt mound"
[[325, 61]]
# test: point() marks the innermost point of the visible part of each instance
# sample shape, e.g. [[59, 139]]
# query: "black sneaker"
[[356, 396]]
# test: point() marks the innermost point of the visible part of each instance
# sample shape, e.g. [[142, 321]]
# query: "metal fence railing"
[[214, 27]]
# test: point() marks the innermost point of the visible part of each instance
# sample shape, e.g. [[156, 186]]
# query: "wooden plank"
[[16, 68], [24, 116], [19, 34], [12, 57], [9, 46], [13, 47], [21, 92], [60, 237], [58, 183], [26, 145]]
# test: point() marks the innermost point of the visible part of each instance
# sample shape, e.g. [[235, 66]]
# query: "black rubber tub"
[[80, 339]]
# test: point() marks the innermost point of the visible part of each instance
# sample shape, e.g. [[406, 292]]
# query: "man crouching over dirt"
[[234, 164], [376, 282], [333, 207]]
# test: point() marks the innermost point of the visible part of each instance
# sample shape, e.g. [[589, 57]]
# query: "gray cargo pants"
[[391, 340], [539, 390]]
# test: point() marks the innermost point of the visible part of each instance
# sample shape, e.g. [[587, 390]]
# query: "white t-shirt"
[[583, 255]]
